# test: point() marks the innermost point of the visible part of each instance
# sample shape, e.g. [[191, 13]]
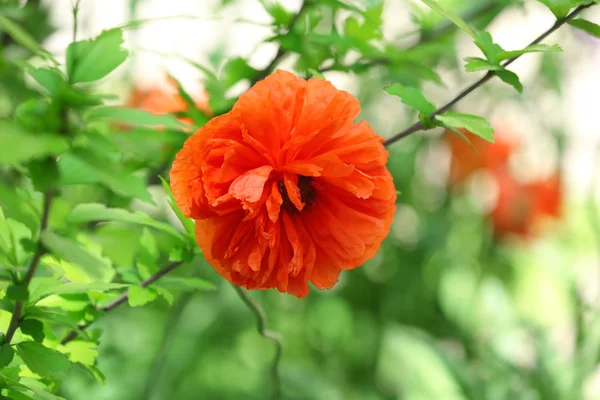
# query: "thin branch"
[[280, 51], [418, 126], [75, 14], [427, 37], [123, 298], [15, 319], [261, 325]]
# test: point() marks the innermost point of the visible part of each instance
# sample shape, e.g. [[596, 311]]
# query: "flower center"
[[307, 193]]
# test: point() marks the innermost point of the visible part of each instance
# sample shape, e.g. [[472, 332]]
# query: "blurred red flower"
[[167, 101], [520, 208], [285, 188]]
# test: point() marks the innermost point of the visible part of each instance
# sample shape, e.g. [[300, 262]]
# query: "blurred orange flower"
[[285, 188], [522, 207], [482, 155], [167, 101]]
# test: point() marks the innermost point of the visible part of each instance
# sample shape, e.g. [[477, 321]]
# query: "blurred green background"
[[453, 306]]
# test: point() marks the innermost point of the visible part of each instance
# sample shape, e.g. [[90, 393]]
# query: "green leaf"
[[94, 212], [75, 288], [511, 78], [412, 97], [316, 74], [84, 167], [6, 355], [19, 146], [185, 284], [74, 253], [43, 361], [49, 78], [81, 352], [586, 26], [57, 86], [33, 328], [458, 21], [148, 255], [536, 48], [90, 60], [477, 125], [187, 223], [18, 292], [135, 116], [23, 38], [281, 16], [43, 173], [479, 64], [138, 296], [236, 70], [486, 44], [192, 110], [560, 8]]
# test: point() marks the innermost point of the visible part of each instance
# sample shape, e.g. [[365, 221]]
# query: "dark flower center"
[[307, 193]]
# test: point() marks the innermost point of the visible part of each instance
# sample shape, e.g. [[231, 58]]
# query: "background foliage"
[[458, 304]]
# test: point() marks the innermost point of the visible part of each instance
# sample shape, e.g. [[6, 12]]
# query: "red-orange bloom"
[[521, 207], [285, 188], [465, 160]]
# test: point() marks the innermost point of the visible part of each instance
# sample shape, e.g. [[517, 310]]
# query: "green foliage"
[[90, 60], [42, 360], [420, 308], [586, 26], [474, 124], [412, 97]]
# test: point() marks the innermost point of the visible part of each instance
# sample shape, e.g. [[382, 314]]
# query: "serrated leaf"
[[135, 116], [19, 146], [74, 253], [81, 352], [479, 64], [6, 355], [138, 296], [536, 48], [412, 97], [586, 26], [477, 125], [187, 223], [94, 212], [90, 60], [511, 78], [458, 21], [486, 44], [43, 361]]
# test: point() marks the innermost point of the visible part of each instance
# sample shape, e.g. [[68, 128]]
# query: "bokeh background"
[[488, 286]]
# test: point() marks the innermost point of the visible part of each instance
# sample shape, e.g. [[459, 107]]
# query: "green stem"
[[261, 325]]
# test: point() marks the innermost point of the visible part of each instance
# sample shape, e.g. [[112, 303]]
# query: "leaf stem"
[[261, 325], [122, 299], [418, 126], [15, 319]]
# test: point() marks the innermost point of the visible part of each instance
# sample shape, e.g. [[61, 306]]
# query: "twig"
[[280, 51], [261, 325], [122, 299], [418, 126], [15, 319], [75, 13]]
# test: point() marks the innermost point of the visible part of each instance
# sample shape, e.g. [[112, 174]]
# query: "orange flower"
[[166, 101], [465, 160], [285, 188], [521, 207]]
